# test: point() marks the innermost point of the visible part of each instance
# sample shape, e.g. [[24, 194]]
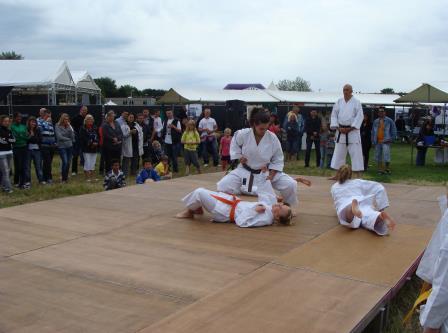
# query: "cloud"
[[372, 44]]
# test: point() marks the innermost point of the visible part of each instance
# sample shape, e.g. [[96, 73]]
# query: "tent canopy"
[[426, 93], [191, 95], [35, 73], [329, 98], [84, 82]]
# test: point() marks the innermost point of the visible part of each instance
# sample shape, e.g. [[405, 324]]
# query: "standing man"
[[77, 122], [48, 145], [207, 128], [158, 126], [312, 129], [383, 134], [346, 119], [296, 110], [147, 128], [171, 134], [123, 119]]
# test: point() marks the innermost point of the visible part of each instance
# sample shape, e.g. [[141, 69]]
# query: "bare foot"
[[389, 220], [355, 209], [186, 214], [293, 214], [332, 178], [303, 181]]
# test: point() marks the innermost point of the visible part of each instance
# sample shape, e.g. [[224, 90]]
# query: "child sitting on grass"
[[114, 178], [163, 168], [224, 148], [147, 174]]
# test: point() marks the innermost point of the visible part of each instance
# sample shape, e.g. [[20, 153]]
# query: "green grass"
[[402, 172]]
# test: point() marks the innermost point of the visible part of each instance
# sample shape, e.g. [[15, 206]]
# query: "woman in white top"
[[258, 149], [361, 203]]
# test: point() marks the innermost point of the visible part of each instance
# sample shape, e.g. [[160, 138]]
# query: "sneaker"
[[9, 191], [50, 181], [205, 165], [73, 173], [16, 185], [43, 183], [388, 172]]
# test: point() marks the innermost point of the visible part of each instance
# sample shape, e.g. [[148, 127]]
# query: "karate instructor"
[[346, 119], [258, 149]]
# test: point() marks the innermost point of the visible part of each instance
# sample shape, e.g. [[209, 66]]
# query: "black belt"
[[251, 177], [346, 134]]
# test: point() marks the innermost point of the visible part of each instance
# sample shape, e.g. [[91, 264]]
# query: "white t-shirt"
[[158, 126], [209, 124], [168, 138]]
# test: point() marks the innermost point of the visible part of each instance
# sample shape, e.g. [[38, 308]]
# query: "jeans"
[[421, 156], [173, 150], [47, 153], [35, 157], [20, 165], [5, 169], [292, 146], [382, 152], [66, 157], [323, 154], [309, 145], [299, 145], [210, 146]]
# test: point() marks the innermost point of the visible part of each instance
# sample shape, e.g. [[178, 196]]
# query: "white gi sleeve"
[[443, 204], [251, 218], [435, 312], [276, 162], [334, 123], [236, 146], [266, 194], [359, 116]]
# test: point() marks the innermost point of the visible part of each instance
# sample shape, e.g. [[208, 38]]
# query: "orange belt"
[[232, 203]]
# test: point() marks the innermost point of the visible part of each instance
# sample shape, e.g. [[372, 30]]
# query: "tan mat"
[[361, 254], [38, 300], [278, 299]]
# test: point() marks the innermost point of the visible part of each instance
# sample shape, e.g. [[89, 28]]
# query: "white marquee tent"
[[47, 76], [198, 95], [85, 85]]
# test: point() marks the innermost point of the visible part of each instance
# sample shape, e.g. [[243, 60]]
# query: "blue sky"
[[172, 43]]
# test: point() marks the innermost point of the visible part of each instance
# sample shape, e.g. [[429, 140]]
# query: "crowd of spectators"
[[148, 148]]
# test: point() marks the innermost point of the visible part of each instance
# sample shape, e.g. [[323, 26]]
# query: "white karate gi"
[[267, 153], [433, 269], [347, 114], [372, 198], [245, 214]]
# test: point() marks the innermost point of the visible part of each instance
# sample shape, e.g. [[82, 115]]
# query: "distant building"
[[244, 86], [132, 101]]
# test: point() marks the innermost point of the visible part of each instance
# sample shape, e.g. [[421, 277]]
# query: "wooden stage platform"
[[119, 261]]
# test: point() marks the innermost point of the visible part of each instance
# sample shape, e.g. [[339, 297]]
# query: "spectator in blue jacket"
[[384, 133], [147, 174]]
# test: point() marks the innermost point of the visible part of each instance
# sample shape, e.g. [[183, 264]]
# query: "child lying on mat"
[[229, 208], [361, 203]]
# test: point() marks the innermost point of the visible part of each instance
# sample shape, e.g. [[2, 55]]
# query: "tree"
[[298, 84], [387, 91], [107, 85], [127, 90], [10, 55], [156, 93]]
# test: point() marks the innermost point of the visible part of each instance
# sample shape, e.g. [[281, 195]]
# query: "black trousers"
[[109, 155], [309, 145], [20, 157], [365, 154], [47, 161]]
